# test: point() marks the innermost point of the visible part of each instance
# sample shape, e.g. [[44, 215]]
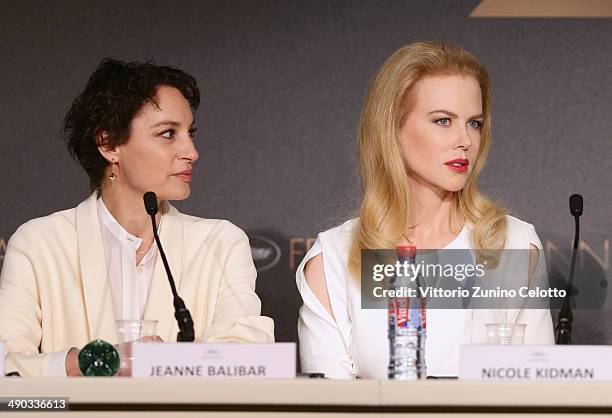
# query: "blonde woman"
[[424, 135]]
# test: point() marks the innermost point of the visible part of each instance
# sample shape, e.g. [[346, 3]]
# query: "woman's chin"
[[175, 194], [455, 186]]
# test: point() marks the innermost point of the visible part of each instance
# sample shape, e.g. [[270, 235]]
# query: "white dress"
[[355, 343]]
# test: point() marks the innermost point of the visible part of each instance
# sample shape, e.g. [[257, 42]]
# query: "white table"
[[124, 397]]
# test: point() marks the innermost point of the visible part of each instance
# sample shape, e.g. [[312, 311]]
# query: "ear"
[[111, 154]]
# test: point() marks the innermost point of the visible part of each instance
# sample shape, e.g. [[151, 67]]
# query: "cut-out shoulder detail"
[[315, 277], [324, 339]]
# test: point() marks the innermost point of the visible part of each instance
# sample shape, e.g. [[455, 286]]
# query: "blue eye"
[[476, 124], [443, 122]]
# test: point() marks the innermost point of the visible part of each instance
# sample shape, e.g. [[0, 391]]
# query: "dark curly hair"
[[113, 96]]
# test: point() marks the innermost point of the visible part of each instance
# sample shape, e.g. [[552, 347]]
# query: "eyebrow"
[[453, 115], [171, 123]]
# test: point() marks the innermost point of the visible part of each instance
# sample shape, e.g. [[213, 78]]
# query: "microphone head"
[[150, 202], [575, 202]]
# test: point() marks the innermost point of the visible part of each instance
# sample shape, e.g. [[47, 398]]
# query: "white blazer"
[[356, 344], [54, 291]]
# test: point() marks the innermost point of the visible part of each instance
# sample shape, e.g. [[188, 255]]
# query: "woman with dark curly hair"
[[68, 276]]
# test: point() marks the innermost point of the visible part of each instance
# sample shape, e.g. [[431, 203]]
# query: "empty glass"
[[506, 334], [129, 331]]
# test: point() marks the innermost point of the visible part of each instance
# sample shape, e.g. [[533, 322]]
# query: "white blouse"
[[130, 283], [355, 343]]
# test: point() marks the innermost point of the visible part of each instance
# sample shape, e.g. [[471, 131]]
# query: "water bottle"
[[406, 324]]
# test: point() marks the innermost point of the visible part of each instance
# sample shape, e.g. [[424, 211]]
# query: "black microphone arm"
[[181, 313], [565, 317]]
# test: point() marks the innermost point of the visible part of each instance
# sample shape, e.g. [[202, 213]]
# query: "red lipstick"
[[459, 165]]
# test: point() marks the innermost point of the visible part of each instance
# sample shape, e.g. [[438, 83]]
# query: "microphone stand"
[[565, 317], [181, 313]]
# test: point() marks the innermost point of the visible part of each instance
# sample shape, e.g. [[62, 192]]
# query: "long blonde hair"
[[384, 213]]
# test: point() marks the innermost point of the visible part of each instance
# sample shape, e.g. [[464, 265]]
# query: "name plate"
[[2, 355], [535, 362], [214, 361]]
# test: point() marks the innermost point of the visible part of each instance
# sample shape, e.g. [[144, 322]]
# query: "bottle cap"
[[406, 251]]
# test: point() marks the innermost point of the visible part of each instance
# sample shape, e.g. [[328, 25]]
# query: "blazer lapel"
[[96, 287], [160, 304]]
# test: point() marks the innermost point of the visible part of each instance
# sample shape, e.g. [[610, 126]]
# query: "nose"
[[188, 150], [464, 139]]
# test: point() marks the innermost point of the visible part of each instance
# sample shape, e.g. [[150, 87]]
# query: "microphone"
[[181, 313], [565, 317], [575, 202]]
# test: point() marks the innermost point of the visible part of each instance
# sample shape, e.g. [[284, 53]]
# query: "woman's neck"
[[431, 212], [127, 207]]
